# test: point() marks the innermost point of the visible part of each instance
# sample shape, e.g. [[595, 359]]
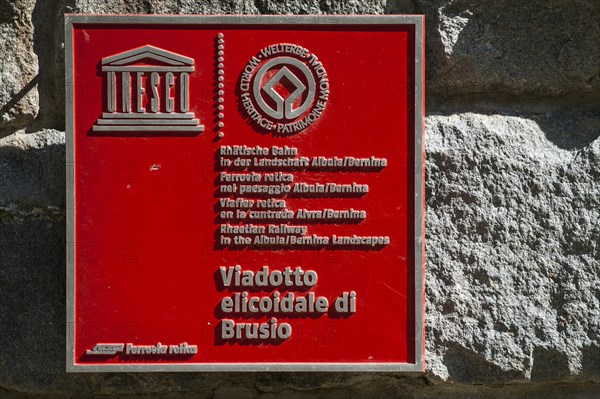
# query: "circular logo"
[[284, 88]]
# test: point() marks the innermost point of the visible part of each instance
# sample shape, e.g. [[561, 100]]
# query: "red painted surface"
[[145, 220]]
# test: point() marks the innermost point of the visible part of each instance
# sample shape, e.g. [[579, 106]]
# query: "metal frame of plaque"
[[187, 121]]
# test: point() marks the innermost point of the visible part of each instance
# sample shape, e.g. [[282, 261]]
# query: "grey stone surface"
[[18, 66], [130, 7], [513, 245], [32, 170], [48, 44], [502, 49], [296, 7], [31, 294]]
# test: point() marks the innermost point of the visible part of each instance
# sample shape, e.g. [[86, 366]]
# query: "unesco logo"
[[147, 89], [284, 88]]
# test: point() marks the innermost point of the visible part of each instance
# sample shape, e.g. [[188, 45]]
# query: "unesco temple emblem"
[[147, 89], [284, 88]]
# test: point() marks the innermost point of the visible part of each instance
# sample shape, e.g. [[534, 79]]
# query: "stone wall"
[[513, 204]]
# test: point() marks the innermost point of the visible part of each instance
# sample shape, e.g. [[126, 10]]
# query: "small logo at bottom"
[[105, 349], [143, 350]]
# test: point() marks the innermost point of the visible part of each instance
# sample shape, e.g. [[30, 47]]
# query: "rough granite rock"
[[18, 66], [513, 245], [48, 44], [502, 49], [297, 7], [32, 170]]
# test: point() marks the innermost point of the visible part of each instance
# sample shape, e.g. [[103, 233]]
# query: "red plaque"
[[245, 193]]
